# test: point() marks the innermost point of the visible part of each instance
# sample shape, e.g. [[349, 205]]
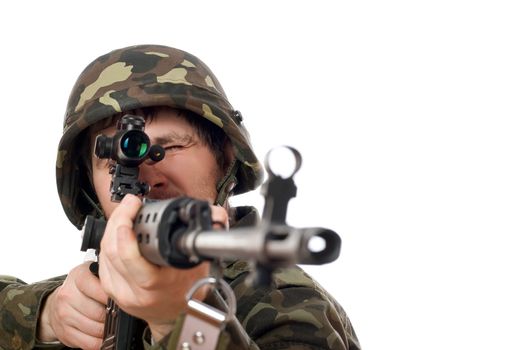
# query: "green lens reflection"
[[134, 144]]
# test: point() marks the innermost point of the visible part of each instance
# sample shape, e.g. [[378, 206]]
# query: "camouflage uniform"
[[293, 313]]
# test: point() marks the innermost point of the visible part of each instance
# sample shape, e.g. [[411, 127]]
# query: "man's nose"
[[152, 174]]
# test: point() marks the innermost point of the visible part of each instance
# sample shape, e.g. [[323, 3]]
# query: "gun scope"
[[130, 146]]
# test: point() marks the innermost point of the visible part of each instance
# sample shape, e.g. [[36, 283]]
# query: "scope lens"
[[134, 144]]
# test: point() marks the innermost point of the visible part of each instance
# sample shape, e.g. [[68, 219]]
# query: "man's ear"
[[228, 155], [228, 180]]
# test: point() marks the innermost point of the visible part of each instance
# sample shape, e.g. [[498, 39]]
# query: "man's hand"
[[74, 313], [153, 293]]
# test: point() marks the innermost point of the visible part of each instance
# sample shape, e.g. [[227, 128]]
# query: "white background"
[[409, 116]]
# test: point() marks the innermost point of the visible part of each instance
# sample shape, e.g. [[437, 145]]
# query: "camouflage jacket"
[[294, 312]]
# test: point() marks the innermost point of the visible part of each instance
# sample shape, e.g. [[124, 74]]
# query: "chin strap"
[[227, 184], [95, 205]]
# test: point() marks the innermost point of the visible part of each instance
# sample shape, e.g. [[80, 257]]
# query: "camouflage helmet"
[[144, 76]]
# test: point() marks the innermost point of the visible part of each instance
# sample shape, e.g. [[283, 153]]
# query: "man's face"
[[188, 168]]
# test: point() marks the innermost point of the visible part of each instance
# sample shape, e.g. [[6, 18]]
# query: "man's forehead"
[[168, 133]]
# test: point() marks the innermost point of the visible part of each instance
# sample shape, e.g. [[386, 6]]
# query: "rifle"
[[178, 232]]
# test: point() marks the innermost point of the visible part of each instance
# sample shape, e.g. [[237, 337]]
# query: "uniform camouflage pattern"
[[294, 313], [144, 76], [19, 310]]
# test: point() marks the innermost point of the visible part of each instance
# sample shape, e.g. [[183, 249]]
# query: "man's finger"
[[219, 217]]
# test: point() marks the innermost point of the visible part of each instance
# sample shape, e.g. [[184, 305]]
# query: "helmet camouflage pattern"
[[144, 76]]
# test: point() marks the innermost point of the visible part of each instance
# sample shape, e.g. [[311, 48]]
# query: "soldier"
[[208, 157]]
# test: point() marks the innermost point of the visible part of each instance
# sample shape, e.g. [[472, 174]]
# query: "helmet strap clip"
[[227, 184]]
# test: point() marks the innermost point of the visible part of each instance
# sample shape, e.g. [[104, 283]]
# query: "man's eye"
[[173, 148]]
